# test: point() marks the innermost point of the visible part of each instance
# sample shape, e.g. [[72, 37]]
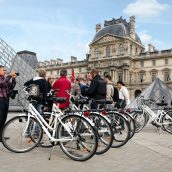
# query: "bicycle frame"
[[155, 117], [56, 113], [86, 108]]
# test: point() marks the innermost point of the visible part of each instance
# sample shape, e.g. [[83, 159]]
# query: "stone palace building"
[[117, 49]]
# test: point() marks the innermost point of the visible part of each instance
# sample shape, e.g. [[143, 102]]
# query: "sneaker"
[[35, 136]]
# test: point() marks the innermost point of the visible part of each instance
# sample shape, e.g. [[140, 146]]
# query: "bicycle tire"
[[84, 144], [140, 120], [121, 129], [104, 132], [14, 129], [167, 127], [131, 124]]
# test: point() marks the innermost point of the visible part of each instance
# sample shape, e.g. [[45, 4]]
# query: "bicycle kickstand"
[[51, 152], [159, 130]]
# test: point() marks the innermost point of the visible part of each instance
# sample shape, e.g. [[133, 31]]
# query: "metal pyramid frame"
[[12, 61], [156, 91]]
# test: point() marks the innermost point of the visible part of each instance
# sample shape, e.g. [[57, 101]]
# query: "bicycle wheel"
[[104, 132], [121, 129], [167, 123], [140, 120], [83, 143], [19, 138], [131, 124]]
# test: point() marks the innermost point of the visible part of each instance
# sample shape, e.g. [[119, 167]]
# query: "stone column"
[[113, 75]]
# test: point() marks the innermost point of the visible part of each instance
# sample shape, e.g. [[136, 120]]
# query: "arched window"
[[96, 53], [121, 50], [120, 76], [107, 51], [166, 73], [154, 74], [142, 74], [137, 93]]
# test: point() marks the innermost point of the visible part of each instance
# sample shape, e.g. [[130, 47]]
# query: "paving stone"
[[146, 151]]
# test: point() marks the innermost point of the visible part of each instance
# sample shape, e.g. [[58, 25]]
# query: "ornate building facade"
[[117, 49]]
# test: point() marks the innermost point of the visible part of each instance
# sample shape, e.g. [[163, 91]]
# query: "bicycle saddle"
[[81, 101], [161, 104], [103, 101], [59, 99]]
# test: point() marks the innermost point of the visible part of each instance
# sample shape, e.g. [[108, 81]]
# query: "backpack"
[[115, 95], [34, 90]]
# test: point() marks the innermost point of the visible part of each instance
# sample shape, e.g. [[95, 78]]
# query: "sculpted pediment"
[[105, 39]]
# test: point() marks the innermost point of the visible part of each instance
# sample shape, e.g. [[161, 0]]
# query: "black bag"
[[120, 103], [115, 95], [12, 93]]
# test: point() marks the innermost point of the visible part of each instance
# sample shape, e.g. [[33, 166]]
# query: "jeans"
[[4, 105], [39, 108]]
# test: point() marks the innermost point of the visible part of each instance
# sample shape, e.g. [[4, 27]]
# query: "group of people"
[[93, 86]]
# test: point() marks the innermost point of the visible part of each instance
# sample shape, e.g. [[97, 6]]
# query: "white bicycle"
[[75, 134], [160, 119]]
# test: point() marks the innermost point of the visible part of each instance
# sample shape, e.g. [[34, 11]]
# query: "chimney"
[[73, 59], [132, 27], [98, 27], [151, 48]]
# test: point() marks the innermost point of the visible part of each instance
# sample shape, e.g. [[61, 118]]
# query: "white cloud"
[[145, 8], [148, 39], [52, 40], [145, 38]]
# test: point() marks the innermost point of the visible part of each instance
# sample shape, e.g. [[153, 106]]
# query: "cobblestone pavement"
[[147, 151]]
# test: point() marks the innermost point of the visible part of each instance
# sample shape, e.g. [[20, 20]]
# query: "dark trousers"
[[4, 105]]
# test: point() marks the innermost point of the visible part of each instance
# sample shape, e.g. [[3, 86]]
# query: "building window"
[[136, 51], [153, 63], [142, 63], [96, 53], [131, 50], [166, 76], [121, 50], [166, 61], [120, 76], [142, 77], [107, 51], [154, 76]]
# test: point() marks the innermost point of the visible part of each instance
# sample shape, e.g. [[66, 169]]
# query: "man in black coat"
[[97, 89]]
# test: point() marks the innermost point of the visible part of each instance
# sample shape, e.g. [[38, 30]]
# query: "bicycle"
[[101, 123], [161, 119], [119, 123], [75, 134]]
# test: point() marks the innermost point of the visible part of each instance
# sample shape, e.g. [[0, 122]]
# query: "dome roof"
[[121, 29]]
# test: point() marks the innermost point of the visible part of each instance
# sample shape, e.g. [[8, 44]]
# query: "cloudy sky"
[[63, 28]]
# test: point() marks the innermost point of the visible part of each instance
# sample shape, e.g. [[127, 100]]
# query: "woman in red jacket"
[[62, 85]]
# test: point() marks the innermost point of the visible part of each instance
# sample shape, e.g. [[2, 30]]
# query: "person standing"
[[62, 85], [124, 98], [109, 87], [41, 82], [6, 82], [83, 85], [50, 81], [97, 88]]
